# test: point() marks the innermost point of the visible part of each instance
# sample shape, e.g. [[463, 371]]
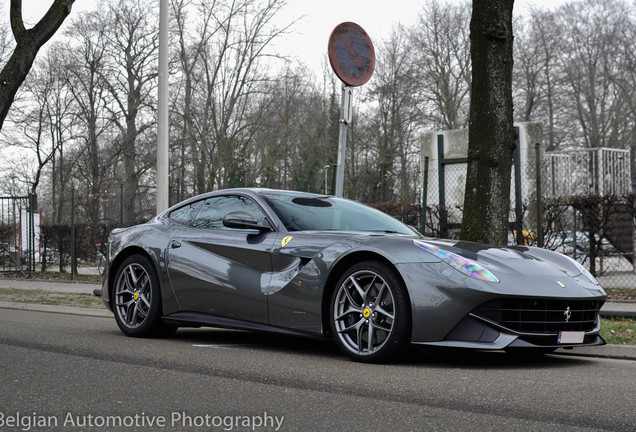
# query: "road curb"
[[616, 352], [68, 310]]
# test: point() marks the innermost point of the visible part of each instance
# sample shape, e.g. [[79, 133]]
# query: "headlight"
[[583, 270], [464, 265]]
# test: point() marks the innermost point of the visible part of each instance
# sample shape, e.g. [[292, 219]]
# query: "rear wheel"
[[370, 314], [137, 299]]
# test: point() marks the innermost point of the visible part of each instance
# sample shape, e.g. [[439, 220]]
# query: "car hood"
[[401, 249], [506, 263], [513, 260]]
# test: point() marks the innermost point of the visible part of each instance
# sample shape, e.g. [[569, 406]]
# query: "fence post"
[[424, 194], [518, 207], [537, 150], [73, 269], [442, 185], [121, 204]]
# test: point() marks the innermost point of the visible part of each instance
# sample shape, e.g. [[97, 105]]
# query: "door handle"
[[175, 244]]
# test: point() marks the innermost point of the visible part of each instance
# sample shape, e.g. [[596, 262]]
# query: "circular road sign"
[[351, 54]]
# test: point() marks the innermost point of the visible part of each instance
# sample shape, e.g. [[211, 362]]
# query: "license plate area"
[[571, 337]]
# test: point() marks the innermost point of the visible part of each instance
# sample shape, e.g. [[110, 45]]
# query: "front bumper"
[[477, 332]]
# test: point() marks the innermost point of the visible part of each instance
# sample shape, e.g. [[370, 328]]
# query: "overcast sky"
[[378, 17], [317, 18]]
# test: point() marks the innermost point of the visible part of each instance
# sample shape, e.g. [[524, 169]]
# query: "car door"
[[218, 270]]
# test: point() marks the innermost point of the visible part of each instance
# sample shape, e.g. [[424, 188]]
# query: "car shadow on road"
[[416, 357], [490, 359], [257, 340]]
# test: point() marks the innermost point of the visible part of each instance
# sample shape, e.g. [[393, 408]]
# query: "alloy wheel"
[[133, 295], [364, 313]]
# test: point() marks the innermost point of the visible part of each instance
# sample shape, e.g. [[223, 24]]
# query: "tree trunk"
[[491, 131], [28, 43]]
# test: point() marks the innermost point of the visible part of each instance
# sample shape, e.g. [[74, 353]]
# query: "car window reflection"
[[214, 209]]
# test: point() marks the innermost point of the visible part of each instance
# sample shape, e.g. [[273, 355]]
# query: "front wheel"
[[370, 314], [137, 299]]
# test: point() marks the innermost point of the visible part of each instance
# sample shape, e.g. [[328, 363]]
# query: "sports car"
[[321, 266]]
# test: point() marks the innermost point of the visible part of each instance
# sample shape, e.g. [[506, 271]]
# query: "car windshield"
[[313, 212]]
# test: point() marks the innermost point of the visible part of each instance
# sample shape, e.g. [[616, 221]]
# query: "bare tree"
[[28, 43], [59, 109], [593, 44], [627, 86], [548, 83], [85, 64], [190, 48], [234, 77], [396, 89], [130, 73], [528, 66], [441, 45], [491, 133], [293, 143], [6, 41], [41, 122]]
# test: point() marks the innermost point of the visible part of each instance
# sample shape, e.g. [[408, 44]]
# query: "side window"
[[214, 210], [185, 215]]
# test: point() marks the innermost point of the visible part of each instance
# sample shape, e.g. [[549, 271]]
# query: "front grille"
[[541, 316]]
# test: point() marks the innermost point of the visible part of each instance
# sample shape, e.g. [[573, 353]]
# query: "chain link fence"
[[578, 203]]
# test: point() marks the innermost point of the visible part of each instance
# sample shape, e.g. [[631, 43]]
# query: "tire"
[[136, 299], [370, 299]]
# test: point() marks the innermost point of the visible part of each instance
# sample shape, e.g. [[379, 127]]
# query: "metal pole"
[[518, 207], [441, 185], [537, 150], [326, 180], [345, 119], [72, 234], [121, 204], [332, 188], [162, 120], [424, 194]]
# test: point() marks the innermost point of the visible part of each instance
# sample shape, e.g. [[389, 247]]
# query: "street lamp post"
[[162, 120]]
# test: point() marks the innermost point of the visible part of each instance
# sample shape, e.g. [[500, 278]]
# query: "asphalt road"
[[65, 372]]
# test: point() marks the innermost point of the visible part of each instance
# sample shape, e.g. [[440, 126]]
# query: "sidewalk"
[[62, 286], [619, 309], [609, 309]]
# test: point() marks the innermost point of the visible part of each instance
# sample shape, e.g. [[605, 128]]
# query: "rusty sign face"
[[351, 54]]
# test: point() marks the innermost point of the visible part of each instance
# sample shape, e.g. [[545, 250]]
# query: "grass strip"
[[83, 300]]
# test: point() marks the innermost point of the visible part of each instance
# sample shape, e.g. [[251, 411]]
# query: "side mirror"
[[243, 220]]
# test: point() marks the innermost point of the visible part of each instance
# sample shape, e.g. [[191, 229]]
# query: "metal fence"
[[601, 171], [578, 203]]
